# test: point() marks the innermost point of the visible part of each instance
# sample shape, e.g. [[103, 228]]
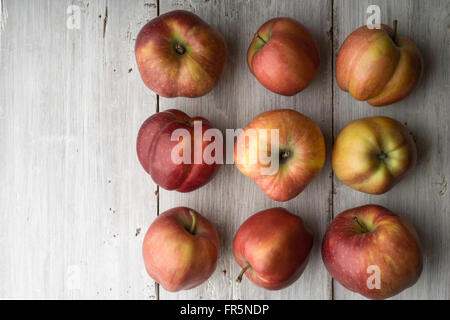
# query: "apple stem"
[[194, 221], [239, 278], [259, 37], [394, 36], [363, 227]]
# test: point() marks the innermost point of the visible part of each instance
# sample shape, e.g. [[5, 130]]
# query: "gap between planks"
[[157, 187], [331, 281]]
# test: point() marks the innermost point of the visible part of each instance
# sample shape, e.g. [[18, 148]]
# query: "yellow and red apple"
[[300, 152], [156, 144], [372, 251], [178, 54], [273, 247], [180, 249], [378, 66], [283, 56], [373, 154]]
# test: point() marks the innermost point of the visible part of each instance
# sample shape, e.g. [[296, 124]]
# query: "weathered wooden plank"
[[74, 194], [422, 197], [231, 198]]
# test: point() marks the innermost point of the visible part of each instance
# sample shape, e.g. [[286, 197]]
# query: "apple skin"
[[373, 154], [154, 147], [283, 56], [178, 54], [391, 244], [276, 244], [300, 137], [176, 258], [374, 68]]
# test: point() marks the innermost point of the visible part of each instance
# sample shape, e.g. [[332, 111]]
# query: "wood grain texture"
[[73, 194], [423, 196], [231, 197], [75, 203]]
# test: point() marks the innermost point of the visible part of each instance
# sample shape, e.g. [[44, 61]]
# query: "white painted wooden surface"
[[74, 194]]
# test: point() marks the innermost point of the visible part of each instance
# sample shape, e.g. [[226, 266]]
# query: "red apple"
[[370, 244], [272, 247], [373, 154], [283, 56], [300, 152], [180, 249], [155, 146], [378, 66], [178, 54]]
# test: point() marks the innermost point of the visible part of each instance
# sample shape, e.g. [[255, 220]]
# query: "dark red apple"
[[273, 247], [372, 251], [180, 249], [154, 150], [178, 54]]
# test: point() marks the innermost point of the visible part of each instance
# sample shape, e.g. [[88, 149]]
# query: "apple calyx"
[[382, 156], [285, 154], [194, 221], [241, 274], [362, 226], [179, 48]]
